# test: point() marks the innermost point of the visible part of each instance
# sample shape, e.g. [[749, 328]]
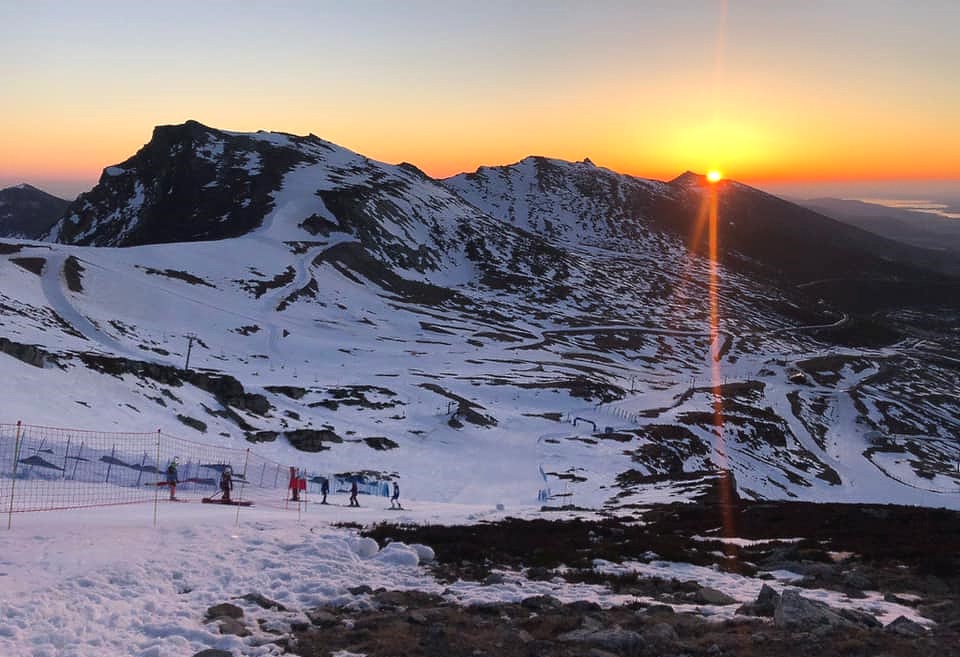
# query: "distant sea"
[[917, 205]]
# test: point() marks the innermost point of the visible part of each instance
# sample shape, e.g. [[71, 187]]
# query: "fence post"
[[143, 462], [113, 455], [156, 493], [243, 481], [13, 482], [66, 455], [76, 462]]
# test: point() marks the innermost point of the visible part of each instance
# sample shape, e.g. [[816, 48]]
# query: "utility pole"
[[190, 338]]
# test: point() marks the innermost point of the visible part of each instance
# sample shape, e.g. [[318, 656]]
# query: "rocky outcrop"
[[28, 353], [312, 440], [227, 389], [189, 182]]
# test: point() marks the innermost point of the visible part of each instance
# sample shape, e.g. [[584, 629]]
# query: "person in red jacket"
[[172, 478], [226, 483], [294, 485]]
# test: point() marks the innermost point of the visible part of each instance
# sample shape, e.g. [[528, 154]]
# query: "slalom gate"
[[50, 468]]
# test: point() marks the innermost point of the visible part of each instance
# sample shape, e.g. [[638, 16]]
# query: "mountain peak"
[[690, 179], [28, 212]]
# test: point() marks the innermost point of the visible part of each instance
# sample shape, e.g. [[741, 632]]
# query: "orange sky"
[[765, 91]]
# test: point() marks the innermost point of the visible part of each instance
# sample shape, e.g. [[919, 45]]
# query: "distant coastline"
[[917, 205]]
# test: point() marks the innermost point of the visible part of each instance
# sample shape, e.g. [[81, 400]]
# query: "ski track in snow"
[[52, 283]]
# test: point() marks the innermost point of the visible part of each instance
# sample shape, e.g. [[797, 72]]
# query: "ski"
[[216, 500]]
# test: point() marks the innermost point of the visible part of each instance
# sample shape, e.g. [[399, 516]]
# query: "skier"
[[395, 500], [324, 489], [294, 485], [226, 483], [354, 489], [172, 478]]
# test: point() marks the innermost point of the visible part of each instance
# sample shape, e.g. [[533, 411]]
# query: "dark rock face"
[[189, 183], [30, 354], [311, 440], [27, 212]]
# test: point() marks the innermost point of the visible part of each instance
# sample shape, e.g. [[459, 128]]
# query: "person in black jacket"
[[354, 489], [324, 489], [395, 500]]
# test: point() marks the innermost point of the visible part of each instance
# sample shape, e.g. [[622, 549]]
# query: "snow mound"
[[364, 547], [399, 554], [424, 552]]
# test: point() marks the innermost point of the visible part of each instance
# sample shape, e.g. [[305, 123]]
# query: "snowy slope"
[[370, 301]]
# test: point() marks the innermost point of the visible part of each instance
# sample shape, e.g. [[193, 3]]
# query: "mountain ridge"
[[488, 318]]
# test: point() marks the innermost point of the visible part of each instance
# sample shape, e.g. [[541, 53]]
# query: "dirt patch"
[[73, 273], [184, 276], [32, 265]]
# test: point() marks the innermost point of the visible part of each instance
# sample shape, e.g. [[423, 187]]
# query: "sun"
[[714, 176]]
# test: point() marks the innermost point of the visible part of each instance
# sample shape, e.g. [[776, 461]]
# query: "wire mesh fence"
[[48, 468]]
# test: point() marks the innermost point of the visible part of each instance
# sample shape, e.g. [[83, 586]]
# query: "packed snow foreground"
[[102, 582]]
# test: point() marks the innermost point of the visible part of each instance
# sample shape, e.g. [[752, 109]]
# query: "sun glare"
[[714, 176]]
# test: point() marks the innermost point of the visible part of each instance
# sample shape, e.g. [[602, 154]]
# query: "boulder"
[[616, 640], [663, 634], [795, 611], [224, 610], [861, 618], [322, 618], [855, 579], [764, 605], [263, 601], [711, 596], [905, 627], [233, 626], [494, 578]]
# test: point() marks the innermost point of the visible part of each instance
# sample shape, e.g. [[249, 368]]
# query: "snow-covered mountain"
[[466, 333], [27, 212]]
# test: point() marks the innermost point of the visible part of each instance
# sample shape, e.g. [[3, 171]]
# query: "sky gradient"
[[772, 93]]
